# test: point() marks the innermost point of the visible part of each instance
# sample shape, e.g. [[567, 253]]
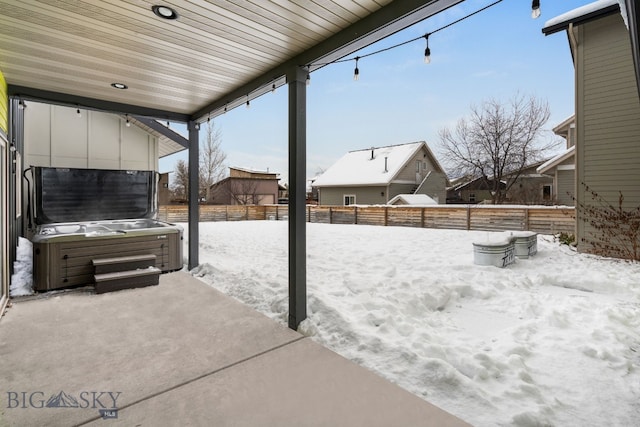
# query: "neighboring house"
[[312, 192], [376, 175], [527, 188], [472, 191], [563, 166], [607, 120], [283, 193], [412, 200], [245, 187], [530, 187], [164, 196]]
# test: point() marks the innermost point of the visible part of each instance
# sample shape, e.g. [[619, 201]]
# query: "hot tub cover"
[[73, 195]]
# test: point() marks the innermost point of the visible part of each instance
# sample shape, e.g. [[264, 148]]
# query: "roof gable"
[[372, 166], [555, 161]]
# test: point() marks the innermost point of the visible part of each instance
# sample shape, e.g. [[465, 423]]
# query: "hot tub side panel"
[[65, 261]]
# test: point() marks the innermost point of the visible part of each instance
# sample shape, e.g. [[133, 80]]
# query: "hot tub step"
[[109, 282], [124, 263]]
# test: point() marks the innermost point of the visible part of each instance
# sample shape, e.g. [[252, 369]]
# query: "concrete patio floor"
[[182, 353]]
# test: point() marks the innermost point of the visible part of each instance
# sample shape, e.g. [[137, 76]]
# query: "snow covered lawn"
[[551, 340]]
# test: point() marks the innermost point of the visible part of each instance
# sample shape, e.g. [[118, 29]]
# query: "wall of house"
[[234, 191], [608, 117], [408, 173], [4, 194], [565, 186], [395, 189], [56, 136], [435, 187], [334, 196]]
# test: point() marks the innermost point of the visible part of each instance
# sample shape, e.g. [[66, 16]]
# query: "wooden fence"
[[541, 219]]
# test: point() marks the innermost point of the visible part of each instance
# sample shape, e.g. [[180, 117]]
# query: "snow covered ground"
[[551, 340]]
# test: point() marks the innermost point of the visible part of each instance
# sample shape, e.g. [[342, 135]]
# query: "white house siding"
[[56, 136], [364, 195], [608, 115]]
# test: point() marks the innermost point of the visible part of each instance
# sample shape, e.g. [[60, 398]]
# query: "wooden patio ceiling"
[[213, 55]]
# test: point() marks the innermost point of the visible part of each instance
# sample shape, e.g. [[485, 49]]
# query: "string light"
[[356, 72], [21, 105], [535, 9], [248, 104], [225, 108], [78, 112], [273, 88], [308, 81], [427, 51], [127, 123]]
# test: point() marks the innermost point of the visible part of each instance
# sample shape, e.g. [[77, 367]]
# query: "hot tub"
[[84, 216]]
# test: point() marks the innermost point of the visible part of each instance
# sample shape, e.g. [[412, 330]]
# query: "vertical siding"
[[608, 115], [55, 136]]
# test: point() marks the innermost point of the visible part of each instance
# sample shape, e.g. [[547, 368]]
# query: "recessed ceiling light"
[[164, 12], [119, 85]]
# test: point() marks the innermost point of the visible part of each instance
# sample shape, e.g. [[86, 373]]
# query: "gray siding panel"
[[565, 187], [608, 115], [334, 196]]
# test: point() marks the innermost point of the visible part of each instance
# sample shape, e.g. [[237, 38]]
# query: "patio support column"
[[296, 79], [194, 208]]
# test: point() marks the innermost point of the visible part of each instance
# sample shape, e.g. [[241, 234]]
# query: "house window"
[[349, 199], [418, 166], [472, 197], [546, 192]]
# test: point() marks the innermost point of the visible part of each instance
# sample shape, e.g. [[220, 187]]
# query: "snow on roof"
[[554, 161], [358, 167], [560, 22], [413, 199]]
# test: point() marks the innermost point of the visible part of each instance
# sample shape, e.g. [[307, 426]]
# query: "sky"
[[398, 99]]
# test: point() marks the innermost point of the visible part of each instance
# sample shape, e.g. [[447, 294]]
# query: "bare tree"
[[210, 170], [212, 160], [244, 192], [496, 141], [180, 184]]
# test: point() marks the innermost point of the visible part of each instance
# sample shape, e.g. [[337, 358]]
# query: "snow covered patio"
[[182, 353]]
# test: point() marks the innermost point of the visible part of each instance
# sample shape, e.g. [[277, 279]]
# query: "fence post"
[[421, 217], [526, 218], [355, 215], [309, 213], [468, 217], [226, 212], [386, 215], [330, 216]]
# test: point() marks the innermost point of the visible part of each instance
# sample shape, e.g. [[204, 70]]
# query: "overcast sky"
[[399, 99]]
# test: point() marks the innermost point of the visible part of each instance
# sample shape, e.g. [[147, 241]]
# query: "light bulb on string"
[[273, 88], [427, 51], [78, 112], [308, 81], [21, 105], [356, 72], [248, 104], [535, 9], [128, 123]]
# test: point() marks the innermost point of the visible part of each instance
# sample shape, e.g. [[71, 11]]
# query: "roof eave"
[[564, 25]]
